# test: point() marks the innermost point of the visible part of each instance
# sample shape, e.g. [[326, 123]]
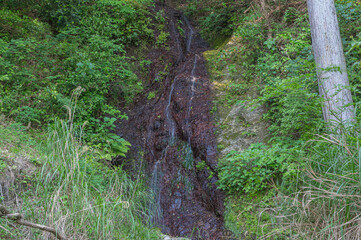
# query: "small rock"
[[157, 125], [177, 203]]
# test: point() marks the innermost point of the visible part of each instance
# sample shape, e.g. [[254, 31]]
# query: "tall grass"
[[327, 204], [87, 200], [81, 197]]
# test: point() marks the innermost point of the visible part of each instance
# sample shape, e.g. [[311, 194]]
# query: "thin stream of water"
[[155, 208], [190, 35], [182, 196], [193, 80], [169, 115], [180, 52]]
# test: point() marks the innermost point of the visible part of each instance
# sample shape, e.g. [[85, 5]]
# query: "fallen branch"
[[19, 219]]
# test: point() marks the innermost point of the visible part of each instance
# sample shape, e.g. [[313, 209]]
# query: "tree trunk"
[[330, 62]]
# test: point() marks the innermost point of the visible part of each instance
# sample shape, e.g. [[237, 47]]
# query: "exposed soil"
[[176, 132]]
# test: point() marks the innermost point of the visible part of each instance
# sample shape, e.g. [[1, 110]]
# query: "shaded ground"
[[176, 132]]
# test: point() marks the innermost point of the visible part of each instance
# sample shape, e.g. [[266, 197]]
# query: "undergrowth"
[[326, 203], [75, 193], [50, 48], [299, 183], [51, 53], [216, 18]]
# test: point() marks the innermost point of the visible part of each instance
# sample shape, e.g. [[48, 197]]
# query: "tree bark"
[[330, 62]]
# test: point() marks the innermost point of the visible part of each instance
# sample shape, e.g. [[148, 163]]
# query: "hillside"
[[189, 119]]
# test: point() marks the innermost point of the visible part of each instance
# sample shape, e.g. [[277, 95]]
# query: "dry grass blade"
[[331, 139]]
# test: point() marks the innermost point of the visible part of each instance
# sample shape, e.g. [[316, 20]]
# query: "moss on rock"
[[234, 117]]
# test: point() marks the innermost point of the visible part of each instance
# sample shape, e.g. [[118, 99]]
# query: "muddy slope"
[[176, 132]]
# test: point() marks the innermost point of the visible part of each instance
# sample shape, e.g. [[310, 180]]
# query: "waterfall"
[[190, 34], [155, 208]]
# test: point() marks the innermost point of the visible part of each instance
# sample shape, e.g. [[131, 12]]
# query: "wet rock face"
[[244, 126], [240, 125], [179, 141]]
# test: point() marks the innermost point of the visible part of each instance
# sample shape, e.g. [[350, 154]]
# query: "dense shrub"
[[253, 170], [217, 18], [40, 70], [322, 202], [13, 26]]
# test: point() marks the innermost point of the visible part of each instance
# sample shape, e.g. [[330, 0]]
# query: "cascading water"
[[155, 210], [169, 116], [170, 120], [180, 52], [193, 80], [177, 131], [190, 34], [184, 208], [188, 149]]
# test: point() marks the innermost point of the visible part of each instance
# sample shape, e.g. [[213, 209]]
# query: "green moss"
[[219, 42]]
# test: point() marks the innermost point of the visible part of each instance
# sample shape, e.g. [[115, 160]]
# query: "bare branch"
[[19, 219]]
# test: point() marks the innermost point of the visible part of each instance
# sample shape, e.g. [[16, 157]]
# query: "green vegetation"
[[40, 69], [300, 183], [73, 191], [217, 19], [252, 170], [68, 66], [69, 60]]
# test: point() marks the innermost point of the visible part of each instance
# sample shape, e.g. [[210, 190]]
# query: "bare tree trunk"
[[330, 62]]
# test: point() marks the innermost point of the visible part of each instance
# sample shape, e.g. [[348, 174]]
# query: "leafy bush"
[[217, 23], [27, 7], [62, 13], [13, 26], [322, 202], [282, 67], [252, 170], [348, 12], [287, 71], [126, 22], [38, 76], [111, 144], [217, 18], [290, 85], [3, 165], [162, 39]]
